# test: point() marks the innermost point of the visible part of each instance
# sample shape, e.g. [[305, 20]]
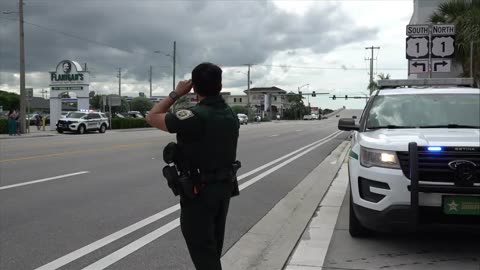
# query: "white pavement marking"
[[311, 251], [274, 135], [134, 246], [119, 234], [107, 240], [43, 180]]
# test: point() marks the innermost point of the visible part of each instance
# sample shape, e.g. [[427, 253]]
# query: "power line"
[[79, 37]]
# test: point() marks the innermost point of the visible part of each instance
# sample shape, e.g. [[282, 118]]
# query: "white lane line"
[[119, 234], [298, 130], [134, 246], [43, 180], [107, 240], [274, 135]]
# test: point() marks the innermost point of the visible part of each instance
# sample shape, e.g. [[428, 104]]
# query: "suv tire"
[[60, 131], [102, 128], [355, 228], [81, 129]]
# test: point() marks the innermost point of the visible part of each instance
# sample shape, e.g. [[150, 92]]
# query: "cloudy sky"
[[289, 43]]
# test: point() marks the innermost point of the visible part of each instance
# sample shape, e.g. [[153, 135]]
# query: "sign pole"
[[430, 67], [110, 111]]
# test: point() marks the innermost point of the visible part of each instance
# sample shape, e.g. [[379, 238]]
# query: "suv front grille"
[[433, 166]]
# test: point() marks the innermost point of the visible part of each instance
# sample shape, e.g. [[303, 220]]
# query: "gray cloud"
[[230, 33]]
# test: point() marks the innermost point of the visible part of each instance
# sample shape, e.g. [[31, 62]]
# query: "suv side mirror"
[[354, 117], [347, 124]]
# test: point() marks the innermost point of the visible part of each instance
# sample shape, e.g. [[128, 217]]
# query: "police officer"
[[207, 136]]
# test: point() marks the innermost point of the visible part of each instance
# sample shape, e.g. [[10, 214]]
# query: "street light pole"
[[23, 101], [174, 62]]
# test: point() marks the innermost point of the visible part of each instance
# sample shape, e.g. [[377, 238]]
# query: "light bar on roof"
[[426, 82]]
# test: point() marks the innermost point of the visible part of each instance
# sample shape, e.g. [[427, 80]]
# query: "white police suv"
[[415, 157], [83, 121]]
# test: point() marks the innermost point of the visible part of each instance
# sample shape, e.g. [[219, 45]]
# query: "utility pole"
[[119, 76], [44, 92], [23, 94], [371, 63], [174, 62], [150, 81]]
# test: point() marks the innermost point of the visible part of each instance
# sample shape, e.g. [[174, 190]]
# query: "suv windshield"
[[75, 115], [425, 111]]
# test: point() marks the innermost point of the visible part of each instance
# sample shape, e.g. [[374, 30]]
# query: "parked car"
[[242, 118]]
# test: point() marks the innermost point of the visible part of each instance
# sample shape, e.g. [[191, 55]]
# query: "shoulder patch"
[[184, 114]]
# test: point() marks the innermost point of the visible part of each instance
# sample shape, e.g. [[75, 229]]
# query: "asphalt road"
[[99, 201]]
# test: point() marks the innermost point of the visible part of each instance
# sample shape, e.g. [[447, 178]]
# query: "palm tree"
[[372, 86], [465, 15]]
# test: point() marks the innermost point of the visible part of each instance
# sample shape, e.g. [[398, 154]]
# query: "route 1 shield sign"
[[417, 47], [443, 46]]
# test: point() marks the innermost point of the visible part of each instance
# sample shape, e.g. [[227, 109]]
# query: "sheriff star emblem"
[[453, 206], [184, 114]]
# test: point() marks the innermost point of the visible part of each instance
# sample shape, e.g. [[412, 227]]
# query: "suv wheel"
[[356, 229], [102, 129], [81, 129], [60, 130]]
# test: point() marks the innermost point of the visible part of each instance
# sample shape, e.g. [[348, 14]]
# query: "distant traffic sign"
[[443, 46], [418, 66], [417, 47], [441, 65]]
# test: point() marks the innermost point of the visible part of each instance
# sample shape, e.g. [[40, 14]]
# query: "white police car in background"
[[415, 157], [83, 121]]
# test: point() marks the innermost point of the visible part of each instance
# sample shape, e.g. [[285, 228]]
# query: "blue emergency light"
[[435, 148]]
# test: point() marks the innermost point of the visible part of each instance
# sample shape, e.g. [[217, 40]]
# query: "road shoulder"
[[270, 242]]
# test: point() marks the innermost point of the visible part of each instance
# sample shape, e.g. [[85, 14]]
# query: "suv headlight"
[[378, 158]]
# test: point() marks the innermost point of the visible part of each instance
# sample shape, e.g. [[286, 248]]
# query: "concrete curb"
[[269, 244]]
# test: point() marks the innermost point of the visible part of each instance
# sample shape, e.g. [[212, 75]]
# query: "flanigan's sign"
[[65, 77], [68, 72]]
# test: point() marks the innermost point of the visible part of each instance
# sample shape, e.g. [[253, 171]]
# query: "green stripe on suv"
[[353, 154]]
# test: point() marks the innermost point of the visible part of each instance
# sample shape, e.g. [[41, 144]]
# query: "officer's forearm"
[[156, 116]]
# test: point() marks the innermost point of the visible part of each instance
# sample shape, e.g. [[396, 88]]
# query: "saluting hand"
[[183, 87]]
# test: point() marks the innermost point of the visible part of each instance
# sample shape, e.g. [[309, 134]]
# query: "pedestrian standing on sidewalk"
[[38, 121], [12, 123], [17, 123], [207, 136]]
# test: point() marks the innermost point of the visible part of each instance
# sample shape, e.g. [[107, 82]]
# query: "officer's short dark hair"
[[207, 79]]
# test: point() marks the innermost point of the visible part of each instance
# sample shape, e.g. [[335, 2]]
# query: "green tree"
[[96, 102], [141, 104], [465, 15], [9, 101], [372, 86], [296, 108], [240, 109]]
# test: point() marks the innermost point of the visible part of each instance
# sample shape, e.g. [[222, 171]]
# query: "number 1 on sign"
[[418, 47]]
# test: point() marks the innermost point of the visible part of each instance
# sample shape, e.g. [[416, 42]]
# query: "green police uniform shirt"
[[207, 133]]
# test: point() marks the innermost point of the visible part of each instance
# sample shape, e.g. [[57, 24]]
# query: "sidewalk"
[[311, 250], [34, 133], [296, 233]]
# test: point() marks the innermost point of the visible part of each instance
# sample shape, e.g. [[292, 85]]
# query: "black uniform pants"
[[202, 221]]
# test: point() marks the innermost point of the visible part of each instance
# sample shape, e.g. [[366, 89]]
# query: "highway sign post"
[[428, 48]]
